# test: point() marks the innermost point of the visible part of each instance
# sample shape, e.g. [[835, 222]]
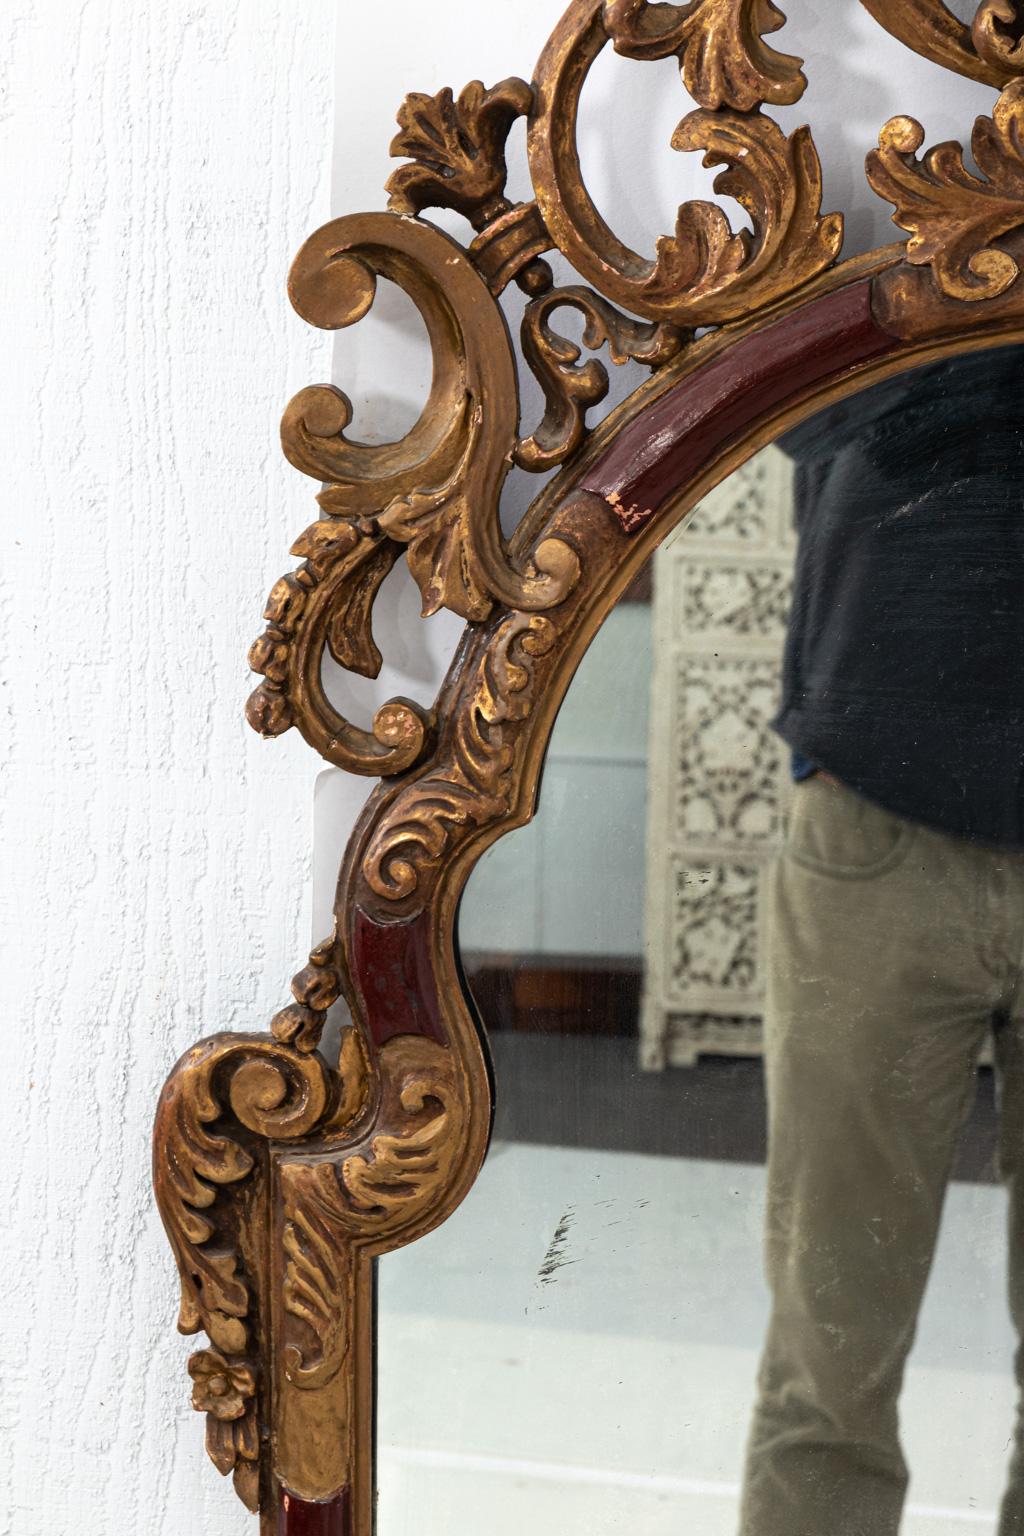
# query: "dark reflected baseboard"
[[580, 1090], [557, 994]]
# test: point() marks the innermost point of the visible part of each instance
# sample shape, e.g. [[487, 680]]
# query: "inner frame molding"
[[281, 1175]]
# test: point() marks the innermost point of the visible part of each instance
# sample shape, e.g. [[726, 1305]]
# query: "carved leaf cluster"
[[720, 45], [953, 216], [316, 988], [272, 708], [326, 605], [457, 148], [437, 525], [708, 273]]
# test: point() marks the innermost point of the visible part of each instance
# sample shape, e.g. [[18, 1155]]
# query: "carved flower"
[[221, 1388]]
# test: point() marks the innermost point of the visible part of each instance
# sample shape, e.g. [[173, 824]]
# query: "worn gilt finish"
[[282, 1171]]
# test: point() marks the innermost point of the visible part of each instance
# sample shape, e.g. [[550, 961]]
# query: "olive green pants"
[[894, 951]]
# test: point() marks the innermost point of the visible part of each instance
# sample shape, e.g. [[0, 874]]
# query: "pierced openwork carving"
[[282, 1173], [704, 273], [569, 389]]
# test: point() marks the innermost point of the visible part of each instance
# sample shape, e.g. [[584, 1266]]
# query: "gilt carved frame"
[[281, 1175]]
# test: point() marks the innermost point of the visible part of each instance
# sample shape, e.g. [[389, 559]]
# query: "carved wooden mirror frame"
[[281, 1175]]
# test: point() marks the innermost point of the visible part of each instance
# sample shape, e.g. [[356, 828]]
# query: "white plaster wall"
[[160, 160], [858, 77]]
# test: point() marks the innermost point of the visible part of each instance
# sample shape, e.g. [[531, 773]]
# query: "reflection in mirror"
[[737, 1262]]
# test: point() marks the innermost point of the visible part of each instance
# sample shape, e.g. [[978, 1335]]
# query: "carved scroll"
[[998, 35], [704, 274], [435, 492], [569, 389]]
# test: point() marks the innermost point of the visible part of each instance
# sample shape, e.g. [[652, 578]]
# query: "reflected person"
[[897, 926]]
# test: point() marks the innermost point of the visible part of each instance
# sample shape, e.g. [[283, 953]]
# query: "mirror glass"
[[745, 1254]]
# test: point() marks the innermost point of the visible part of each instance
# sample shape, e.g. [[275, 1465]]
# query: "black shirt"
[[904, 662]]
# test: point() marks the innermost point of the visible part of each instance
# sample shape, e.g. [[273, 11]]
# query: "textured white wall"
[[159, 163]]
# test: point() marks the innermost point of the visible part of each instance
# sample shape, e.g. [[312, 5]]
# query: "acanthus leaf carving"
[[270, 1091], [221, 1088], [953, 216], [470, 781], [720, 45], [316, 1271], [330, 1202], [997, 33], [408, 1165], [457, 149], [570, 389], [777, 180], [437, 525]]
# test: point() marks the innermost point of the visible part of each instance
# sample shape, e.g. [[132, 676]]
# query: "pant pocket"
[[834, 831]]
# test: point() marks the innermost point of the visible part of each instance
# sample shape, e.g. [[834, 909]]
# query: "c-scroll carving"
[[436, 491], [705, 273]]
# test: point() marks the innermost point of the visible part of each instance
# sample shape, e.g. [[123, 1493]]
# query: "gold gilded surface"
[[954, 216], [704, 273], [720, 45], [984, 51], [336, 1204]]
